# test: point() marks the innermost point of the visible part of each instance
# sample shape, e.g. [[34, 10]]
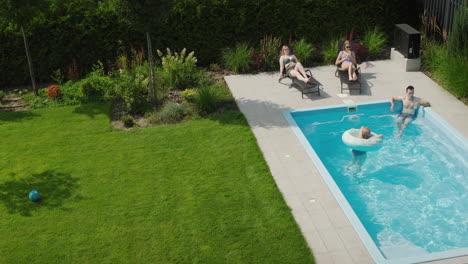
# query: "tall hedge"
[[90, 30]]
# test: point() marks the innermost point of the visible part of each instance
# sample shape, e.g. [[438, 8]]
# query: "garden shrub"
[[58, 77], [71, 92], [375, 40], [98, 86], [133, 89], [69, 95], [87, 88], [152, 118], [215, 67], [238, 59], [330, 51], [2, 94], [171, 113], [189, 95], [178, 71], [303, 51], [128, 121], [53, 91], [208, 99]]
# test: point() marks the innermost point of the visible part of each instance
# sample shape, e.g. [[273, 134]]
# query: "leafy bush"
[[71, 92], [171, 113], [375, 40], [208, 99], [215, 67], [87, 88], [330, 52], [2, 94], [153, 118], [128, 121], [97, 86], [238, 59], [178, 71], [133, 89], [53, 91], [189, 95], [57, 76], [303, 51]]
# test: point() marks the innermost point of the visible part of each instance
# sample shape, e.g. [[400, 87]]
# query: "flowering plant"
[[53, 91]]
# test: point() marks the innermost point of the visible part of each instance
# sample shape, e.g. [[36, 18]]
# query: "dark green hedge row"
[[90, 30]]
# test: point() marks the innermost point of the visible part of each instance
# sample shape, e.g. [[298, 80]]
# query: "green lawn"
[[196, 192]]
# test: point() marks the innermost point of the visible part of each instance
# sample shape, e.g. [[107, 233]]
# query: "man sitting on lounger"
[[410, 105]]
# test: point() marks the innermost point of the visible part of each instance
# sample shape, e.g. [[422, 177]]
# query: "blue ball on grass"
[[34, 196]]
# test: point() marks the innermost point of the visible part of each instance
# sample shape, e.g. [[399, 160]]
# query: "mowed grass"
[[196, 192]]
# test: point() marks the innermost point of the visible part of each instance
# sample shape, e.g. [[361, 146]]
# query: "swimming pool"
[[409, 201]]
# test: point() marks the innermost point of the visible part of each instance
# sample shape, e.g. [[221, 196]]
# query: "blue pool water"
[[411, 196]]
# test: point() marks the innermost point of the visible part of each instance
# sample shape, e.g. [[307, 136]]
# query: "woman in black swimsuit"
[[293, 67]]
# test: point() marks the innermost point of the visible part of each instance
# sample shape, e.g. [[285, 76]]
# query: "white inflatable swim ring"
[[351, 139]]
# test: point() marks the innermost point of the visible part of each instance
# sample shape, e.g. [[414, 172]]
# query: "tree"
[[21, 13]]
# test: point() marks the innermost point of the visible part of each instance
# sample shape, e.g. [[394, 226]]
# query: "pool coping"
[[349, 212]]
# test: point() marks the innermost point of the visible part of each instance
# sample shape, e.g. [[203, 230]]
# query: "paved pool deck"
[[262, 100]]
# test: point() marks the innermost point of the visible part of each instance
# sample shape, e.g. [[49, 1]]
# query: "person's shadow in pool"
[[397, 174]]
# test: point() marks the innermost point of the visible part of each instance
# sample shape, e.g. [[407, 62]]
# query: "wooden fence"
[[443, 11]]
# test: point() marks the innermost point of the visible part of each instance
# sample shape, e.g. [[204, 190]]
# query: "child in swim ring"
[[359, 156]]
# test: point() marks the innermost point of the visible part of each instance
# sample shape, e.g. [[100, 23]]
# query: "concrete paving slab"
[[262, 99]]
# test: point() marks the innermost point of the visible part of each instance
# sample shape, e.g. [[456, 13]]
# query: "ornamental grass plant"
[[238, 59], [375, 40], [330, 51]]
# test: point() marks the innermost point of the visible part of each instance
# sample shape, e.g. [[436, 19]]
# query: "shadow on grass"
[[16, 116], [54, 187], [92, 109]]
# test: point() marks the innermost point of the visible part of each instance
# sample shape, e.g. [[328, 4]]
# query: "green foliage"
[[189, 95], [238, 59], [451, 70], [374, 39], [87, 88], [330, 51], [269, 46], [458, 41], [128, 121], [88, 30], [70, 95], [97, 84], [58, 77], [2, 94], [171, 113], [133, 89], [71, 92], [178, 71], [303, 51], [208, 99], [215, 67]]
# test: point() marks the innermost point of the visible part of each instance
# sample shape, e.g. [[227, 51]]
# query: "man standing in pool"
[[359, 156], [410, 105]]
